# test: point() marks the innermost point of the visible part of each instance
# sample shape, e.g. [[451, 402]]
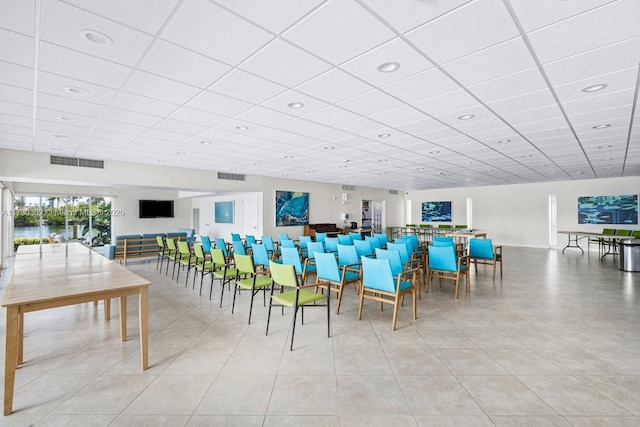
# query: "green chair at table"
[[297, 296], [248, 278]]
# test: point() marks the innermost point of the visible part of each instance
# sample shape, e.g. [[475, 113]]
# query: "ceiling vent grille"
[[393, 192], [89, 163], [231, 176], [348, 187], [63, 161], [74, 161]]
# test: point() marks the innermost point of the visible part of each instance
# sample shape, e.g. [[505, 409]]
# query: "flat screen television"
[[156, 208]]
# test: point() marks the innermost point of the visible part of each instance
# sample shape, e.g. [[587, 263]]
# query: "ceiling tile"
[[198, 117], [452, 101], [621, 102], [529, 101], [300, 126], [201, 26], [334, 86], [500, 60], [516, 84], [331, 116], [69, 106], [404, 15], [185, 66], [218, 104], [612, 23], [16, 75], [620, 80], [17, 15], [126, 46], [534, 15], [464, 31], [371, 102], [339, 31], [247, 87], [263, 116], [16, 48], [55, 85], [275, 15], [399, 116], [285, 64], [156, 87], [283, 101], [143, 104]]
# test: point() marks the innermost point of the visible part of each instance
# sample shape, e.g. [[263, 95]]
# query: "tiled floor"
[[554, 343]]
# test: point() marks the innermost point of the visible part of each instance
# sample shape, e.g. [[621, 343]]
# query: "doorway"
[[373, 215]]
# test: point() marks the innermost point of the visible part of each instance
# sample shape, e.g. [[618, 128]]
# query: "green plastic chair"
[[378, 284], [296, 296], [172, 251], [203, 264], [222, 270], [163, 252], [183, 259], [249, 279]]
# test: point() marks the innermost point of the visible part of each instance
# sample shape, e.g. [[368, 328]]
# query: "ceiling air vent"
[[74, 161], [63, 161], [348, 187], [89, 163], [231, 176], [393, 192]]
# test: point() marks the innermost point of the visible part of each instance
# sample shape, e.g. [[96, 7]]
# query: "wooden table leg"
[[20, 339], [143, 315], [11, 357], [123, 318], [107, 309]]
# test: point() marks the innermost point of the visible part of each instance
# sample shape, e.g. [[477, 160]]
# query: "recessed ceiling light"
[[95, 37], [383, 160], [181, 153], [346, 160], [66, 119], [76, 90], [205, 142], [384, 135], [580, 173], [434, 152], [295, 105], [594, 88], [602, 147], [420, 169], [607, 160], [162, 161], [466, 117], [311, 171], [242, 127], [504, 141], [342, 166], [288, 157], [329, 148], [526, 156], [602, 126], [388, 67]]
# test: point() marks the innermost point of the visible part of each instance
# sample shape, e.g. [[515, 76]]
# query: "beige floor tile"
[[437, 395], [237, 395], [375, 394], [304, 395], [453, 421], [171, 394]]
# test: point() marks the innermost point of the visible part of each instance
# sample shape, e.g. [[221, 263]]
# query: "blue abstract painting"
[[436, 211], [223, 212], [292, 208], [608, 209]]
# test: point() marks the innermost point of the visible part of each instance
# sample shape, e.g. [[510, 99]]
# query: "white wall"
[[518, 214]]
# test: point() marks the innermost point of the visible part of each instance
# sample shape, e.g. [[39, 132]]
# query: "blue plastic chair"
[[206, 244], [222, 245], [375, 242], [320, 237], [355, 236], [250, 239], [445, 264], [235, 236], [345, 239], [287, 243], [482, 251], [260, 256], [238, 247], [382, 237], [363, 248], [302, 243], [267, 241], [292, 256], [394, 259], [330, 277], [331, 244], [283, 236], [348, 258], [402, 249], [378, 284]]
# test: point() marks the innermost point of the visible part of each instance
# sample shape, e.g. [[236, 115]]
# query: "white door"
[[196, 220], [250, 215], [377, 216]]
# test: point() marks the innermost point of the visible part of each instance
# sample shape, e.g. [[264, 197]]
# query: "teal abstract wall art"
[[223, 212], [608, 209], [292, 208]]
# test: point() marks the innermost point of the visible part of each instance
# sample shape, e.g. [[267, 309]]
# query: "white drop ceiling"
[[210, 84]]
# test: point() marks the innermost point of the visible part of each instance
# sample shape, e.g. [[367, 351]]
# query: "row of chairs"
[[604, 244]]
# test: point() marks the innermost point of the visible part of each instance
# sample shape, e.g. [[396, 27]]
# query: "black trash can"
[[629, 255]]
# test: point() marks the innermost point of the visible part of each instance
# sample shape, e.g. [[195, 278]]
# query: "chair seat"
[[305, 296], [225, 274], [261, 282], [404, 285], [351, 276]]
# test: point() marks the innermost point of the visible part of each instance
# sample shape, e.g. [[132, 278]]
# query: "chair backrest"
[[480, 248], [313, 247], [238, 247], [636, 234], [345, 239], [198, 251], [327, 267], [206, 243], [160, 241], [267, 241], [461, 226], [376, 274], [382, 237], [260, 254], [235, 236], [304, 240], [244, 264], [443, 258], [355, 236], [283, 236], [283, 274], [331, 244], [442, 239], [320, 237], [394, 259], [292, 256], [221, 244], [347, 254], [171, 244], [218, 257], [402, 250], [609, 231], [407, 242], [413, 239], [363, 247], [444, 226], [374, 241], [183, 247], [623, 232], [250, 239], [287, 243]]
